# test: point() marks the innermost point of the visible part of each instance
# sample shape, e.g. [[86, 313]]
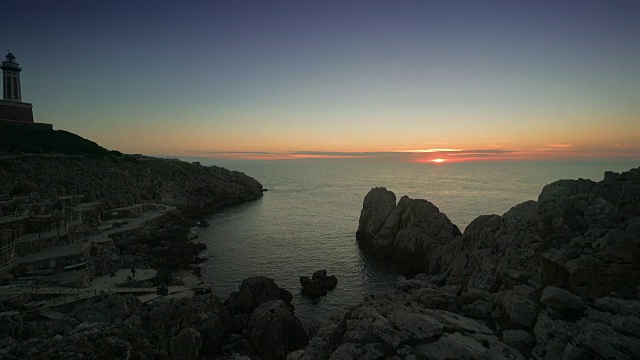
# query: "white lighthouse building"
[[12, 109]]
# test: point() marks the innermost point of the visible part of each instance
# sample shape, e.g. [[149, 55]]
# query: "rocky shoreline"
[[108, 324], [553, 278]]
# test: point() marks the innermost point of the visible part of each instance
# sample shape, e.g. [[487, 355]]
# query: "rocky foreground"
[[550, 279], [256, 322], [123, 181]]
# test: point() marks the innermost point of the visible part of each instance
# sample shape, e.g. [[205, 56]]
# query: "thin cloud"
[[560, 146], [557, 151]]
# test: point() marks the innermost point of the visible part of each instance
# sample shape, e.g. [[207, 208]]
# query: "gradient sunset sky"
[[377, 80]]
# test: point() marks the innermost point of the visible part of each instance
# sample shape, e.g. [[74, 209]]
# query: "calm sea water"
[[308, 219]]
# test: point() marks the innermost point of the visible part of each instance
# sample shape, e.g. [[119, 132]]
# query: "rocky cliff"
[[123, 181], [553, 278]]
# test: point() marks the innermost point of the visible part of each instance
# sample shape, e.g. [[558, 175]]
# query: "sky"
[[370, 80]]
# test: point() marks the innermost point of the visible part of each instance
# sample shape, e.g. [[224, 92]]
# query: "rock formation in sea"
[[553, 278], [318, 284]]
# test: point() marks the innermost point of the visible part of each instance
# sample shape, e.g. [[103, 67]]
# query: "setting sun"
[[438, 160]]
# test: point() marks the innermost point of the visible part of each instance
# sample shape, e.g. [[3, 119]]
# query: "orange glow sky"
[[360, 80]]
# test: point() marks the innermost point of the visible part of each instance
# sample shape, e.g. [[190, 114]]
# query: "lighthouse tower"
[[11, 79], [11, 106]]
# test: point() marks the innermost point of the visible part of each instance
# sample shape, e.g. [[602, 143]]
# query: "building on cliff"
[[13, 110], [35, 234]]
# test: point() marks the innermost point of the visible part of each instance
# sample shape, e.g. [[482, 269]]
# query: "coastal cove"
[[308, 219]]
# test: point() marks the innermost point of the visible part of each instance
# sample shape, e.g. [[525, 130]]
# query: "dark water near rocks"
[[308, 219]]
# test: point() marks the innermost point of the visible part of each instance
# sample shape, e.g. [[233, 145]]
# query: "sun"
[[438, 160]]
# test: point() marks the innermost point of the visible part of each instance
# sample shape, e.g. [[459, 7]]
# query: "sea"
[[307, 220]]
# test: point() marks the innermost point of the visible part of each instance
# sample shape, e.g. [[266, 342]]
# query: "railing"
[[15, 217], [42, 236], [26, 196], [8, 265], [7, 247]]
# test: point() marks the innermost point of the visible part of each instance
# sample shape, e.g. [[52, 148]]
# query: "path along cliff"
[[553, 278]]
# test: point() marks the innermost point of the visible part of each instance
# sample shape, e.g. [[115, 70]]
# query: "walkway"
[[133, 223], [69, 296]]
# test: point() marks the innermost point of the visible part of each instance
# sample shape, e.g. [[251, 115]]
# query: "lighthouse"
[[11, 106], [11, 78]]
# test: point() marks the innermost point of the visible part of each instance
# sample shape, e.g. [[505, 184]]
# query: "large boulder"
[[563, 301], [409, 232], [211, 320], [378, 204], [318, 284], [185, 345], [254, 291], [275, 331]]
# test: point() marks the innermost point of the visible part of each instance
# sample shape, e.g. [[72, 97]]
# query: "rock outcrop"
[[120, 182], [263, 316], [553, 278], [318, 284], [407, 233]]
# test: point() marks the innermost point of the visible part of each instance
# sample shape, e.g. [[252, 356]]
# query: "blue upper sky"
[[169, 77]]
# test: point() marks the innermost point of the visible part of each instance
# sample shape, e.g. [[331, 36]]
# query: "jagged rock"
[[553, 271], [377, 205], [185, 345], [312, 288], [409, 232], [111, 308], [211, 319], [12, 325], [395, 325], [618, 306], [275, 331], [516, 310], [479, 309], [318, 284], [624, 245], [536, 268], [254, 291], [518, 339], [600, 340], [462, 346], [434, 298], [624, 324], [561, 300]]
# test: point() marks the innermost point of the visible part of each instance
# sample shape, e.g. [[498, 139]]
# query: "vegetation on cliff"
[[33, 140]]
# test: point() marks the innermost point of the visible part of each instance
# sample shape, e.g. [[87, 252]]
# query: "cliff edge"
[[122, 181], [56, 163]]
